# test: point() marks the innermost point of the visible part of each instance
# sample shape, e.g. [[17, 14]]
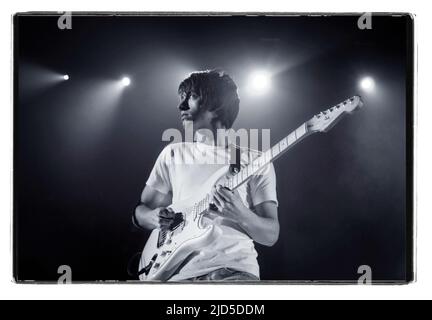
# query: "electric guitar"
[[165, 250]]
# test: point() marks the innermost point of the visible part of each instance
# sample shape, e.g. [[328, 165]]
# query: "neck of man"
[[211, 137]]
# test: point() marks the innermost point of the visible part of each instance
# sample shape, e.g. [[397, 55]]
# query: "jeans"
[[226, 274]]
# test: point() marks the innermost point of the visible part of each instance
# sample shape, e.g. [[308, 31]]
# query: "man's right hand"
[[166, 218], [153, 211]]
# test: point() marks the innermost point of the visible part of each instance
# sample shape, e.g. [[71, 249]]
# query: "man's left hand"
[[229, 204]]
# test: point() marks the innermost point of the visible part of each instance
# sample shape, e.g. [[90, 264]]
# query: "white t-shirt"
[[172, 173]]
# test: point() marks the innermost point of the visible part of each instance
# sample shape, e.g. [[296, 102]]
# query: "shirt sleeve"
[[263, 186], [159, 177]]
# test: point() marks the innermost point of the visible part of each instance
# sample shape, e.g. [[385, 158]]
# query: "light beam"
[[260, 82], [126, 81], [367, 84]]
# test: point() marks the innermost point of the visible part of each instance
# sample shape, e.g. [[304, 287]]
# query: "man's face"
[[192, 110]]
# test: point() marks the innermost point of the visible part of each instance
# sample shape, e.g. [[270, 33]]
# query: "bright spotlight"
[[367, 84], [260, 82], [66, 77], [126, 81]]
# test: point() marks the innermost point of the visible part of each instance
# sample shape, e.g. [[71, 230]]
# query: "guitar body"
[[194, 233], [165, 251]]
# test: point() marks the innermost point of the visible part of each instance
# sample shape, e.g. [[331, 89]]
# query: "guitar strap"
[[235, 154]]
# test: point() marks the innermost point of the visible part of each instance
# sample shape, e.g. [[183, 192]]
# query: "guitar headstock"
[[325, 120]]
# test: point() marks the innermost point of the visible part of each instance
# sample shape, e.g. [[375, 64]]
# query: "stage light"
[[126, 81], [367, 84], [66, 77], [260, 82]]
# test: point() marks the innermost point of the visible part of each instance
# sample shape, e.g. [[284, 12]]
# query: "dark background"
[[82, 152]]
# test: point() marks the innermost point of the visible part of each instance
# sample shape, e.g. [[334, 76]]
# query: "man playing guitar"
[[209, 102]]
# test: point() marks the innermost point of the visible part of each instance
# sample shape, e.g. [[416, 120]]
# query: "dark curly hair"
[[218, 93]]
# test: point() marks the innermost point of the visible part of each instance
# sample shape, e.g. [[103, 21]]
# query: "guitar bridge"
[[178, 220], [162, 237]]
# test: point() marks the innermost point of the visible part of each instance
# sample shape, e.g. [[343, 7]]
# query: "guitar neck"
[[268, 156], [257, 164], [321, 122]]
